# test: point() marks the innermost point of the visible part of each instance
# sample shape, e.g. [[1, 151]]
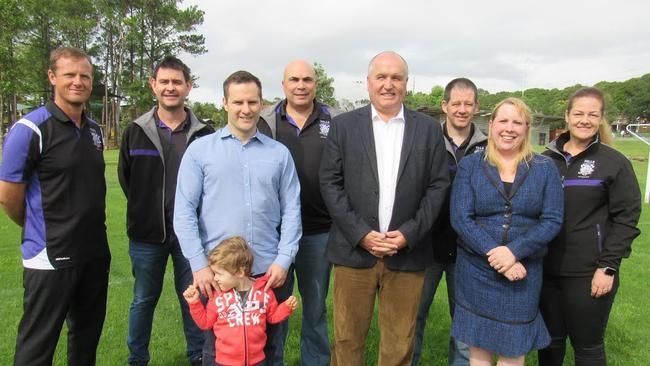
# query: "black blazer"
[[350, 188]]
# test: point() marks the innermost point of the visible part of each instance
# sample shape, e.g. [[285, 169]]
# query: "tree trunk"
[[14, 107]]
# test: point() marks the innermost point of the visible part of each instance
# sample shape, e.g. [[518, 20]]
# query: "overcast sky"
[[501, 45]]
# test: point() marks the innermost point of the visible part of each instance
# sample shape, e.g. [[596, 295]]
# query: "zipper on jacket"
[[243, 318], [164, 214], [600, 238]]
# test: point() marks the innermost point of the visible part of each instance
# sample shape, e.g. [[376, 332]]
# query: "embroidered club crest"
[[587, 168], [479, 149], [97, 139], [324, 128]]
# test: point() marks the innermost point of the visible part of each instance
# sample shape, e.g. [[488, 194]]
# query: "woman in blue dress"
[[506, 205]]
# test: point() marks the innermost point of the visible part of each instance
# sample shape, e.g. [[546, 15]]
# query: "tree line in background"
[[126, 38], [627, 100]]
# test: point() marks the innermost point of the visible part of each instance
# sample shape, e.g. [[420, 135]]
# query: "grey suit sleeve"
[[419, 226], [332, 184]]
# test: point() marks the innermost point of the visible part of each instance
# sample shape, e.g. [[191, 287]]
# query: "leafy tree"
[[210, 111], [156, 28], [420, 99], [324, 87], [10, 29]]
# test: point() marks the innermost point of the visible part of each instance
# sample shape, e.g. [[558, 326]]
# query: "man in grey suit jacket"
[[384, 179]]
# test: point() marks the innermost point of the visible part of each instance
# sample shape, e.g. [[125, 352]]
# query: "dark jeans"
[[276, 334], [569, 310], [458, 352], [149, 262], [74, 294], [313, 274]]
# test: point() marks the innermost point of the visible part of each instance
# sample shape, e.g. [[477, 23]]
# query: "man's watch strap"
[[608, 270]]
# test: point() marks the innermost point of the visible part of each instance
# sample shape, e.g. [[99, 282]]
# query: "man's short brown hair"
[[67, 52], [241, 77], [232, 254]]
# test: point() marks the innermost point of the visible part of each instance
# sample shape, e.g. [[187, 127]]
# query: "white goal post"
[[628, 128]]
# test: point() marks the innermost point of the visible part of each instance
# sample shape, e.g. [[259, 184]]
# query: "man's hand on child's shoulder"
[[191, 295], [292, 303]]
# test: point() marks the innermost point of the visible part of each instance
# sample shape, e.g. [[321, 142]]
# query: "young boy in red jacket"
[[239, 311]]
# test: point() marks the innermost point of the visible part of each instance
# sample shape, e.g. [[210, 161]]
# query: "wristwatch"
[[608, 271]]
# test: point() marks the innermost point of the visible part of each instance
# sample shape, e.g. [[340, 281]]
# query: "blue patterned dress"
[[493, 313]]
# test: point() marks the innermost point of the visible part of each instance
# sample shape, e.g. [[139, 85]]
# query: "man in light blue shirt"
[[234, 182]]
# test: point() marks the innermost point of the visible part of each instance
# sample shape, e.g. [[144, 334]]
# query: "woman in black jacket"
[[602, 204]]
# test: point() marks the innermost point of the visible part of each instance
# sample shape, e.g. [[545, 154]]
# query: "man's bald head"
[[299, 66], [299, 84], [387, 54]]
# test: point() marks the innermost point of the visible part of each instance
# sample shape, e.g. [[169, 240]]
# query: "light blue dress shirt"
[[228, 189]]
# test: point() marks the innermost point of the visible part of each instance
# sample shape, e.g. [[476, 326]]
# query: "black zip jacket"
[[141, 172], [602, 204], [444, 236]]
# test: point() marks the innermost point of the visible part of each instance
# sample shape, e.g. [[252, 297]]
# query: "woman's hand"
[[601, 284], [516, 273], [501, 258]]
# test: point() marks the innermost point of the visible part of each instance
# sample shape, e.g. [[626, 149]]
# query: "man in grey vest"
[[151, 152]]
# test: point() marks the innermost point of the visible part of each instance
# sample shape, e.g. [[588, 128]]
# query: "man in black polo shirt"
[[52, 184], [150, 155], [301, 123], [462, 137]]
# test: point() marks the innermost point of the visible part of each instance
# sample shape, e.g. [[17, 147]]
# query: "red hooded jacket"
[[240, 333]]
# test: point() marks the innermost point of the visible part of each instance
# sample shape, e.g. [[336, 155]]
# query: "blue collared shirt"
[[228, 189]]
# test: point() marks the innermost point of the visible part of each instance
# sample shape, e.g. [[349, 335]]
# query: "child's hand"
[[191, 295], [292, 303]]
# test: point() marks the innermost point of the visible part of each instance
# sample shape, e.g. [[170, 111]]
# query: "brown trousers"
[[355, 291]]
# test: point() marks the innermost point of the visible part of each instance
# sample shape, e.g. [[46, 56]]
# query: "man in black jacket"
[[462, 138], [150, 155]]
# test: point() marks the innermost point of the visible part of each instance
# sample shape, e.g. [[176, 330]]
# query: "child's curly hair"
[[232, 254]]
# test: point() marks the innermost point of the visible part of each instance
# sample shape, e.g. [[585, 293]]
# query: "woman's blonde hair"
[[604, 129], [525, 152]]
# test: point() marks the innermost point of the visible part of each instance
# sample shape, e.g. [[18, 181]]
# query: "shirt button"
[[505, 226]]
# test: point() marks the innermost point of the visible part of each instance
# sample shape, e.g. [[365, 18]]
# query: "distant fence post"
[[646, 197]]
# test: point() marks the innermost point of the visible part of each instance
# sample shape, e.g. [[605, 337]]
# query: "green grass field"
[[627, 335]]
